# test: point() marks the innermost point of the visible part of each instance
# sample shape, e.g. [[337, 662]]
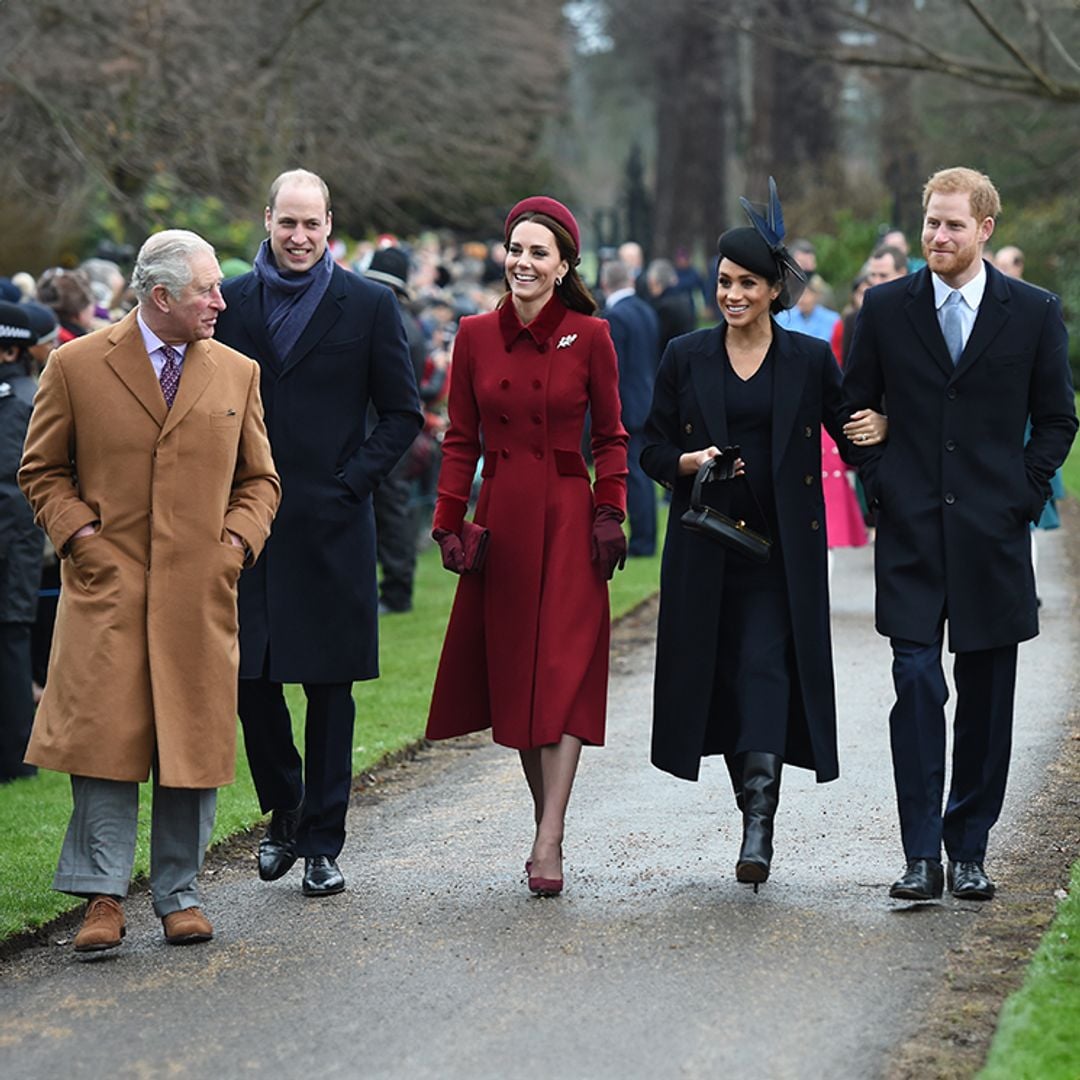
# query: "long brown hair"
[[572, 292]]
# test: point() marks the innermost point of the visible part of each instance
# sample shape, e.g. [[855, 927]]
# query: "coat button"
[[537, 418], [505, 384], [537, 384], [815, 524], [689, 429], [951, 393], [539, 455], [950, 445], [808, 431], [950, 498], [505, 453], [807, 479], [504, 419]]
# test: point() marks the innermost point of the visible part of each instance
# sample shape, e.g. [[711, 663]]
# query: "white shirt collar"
[[153, 342], [972, 292], [620, 294]]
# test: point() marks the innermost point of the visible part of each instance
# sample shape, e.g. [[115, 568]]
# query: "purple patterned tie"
[[170, 374]]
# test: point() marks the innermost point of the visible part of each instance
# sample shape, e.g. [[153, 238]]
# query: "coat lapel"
[[993, 314], [789, 379], [326, 314], [707, 373], [128, 358], [195, 376], [919, 306], [251, 314]]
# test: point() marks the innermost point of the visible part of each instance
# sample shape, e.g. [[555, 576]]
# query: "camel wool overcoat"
[[145, 654], [526, 650]]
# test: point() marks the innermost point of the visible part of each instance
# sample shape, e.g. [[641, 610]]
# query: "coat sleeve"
[[660, 456], [609, 437], [256, 488], [392, 390], [864, 388], [833, 412], [1052, 405], [461, 443], [47, 475]]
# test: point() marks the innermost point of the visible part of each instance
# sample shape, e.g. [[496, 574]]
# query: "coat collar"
[[129, 359], [541, 329], [707, 371]]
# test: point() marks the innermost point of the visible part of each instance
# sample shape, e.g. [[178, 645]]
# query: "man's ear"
[[161, 298], [268, 218]]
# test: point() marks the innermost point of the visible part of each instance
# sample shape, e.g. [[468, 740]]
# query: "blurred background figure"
[[886, 263], [810, 315], [1010, 260], [71, 298], [673, 306]]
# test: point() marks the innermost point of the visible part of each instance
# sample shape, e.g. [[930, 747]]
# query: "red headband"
[[541, 204]]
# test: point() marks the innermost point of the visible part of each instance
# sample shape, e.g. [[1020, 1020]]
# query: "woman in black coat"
[[744, 660]]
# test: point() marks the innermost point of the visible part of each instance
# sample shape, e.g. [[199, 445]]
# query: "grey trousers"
[[99, 848]]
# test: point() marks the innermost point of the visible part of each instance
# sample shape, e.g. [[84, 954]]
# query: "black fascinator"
[[771, 229]]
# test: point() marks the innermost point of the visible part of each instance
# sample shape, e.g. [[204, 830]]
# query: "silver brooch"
[[566, 342]]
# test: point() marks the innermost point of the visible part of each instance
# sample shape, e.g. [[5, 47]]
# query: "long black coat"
[[311, 598], [21, 541], [689, 413], [954, 484]]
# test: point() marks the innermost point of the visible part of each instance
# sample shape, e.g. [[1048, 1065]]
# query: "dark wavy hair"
[[572, 292]]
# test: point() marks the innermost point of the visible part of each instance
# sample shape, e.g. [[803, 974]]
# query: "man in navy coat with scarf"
[[961, 356], [328, 342]]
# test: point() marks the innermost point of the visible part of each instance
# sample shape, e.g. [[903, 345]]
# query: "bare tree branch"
[[1012, 48]]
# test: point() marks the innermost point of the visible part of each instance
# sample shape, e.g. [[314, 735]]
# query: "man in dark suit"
[[963, 356], [635, 330], [672, 305], [329, 343]]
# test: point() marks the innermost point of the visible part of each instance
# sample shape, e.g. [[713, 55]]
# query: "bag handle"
[[703, 475]]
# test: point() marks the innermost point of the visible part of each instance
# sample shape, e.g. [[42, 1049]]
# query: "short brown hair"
[[984, 198], [299, 176]]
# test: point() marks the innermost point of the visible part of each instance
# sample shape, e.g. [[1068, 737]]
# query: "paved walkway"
[[654, 963]]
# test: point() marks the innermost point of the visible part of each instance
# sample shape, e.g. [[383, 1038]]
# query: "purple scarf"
[[290, 299]]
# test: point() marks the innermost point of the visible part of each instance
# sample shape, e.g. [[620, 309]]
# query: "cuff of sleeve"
[[609, 491], [449, 514]]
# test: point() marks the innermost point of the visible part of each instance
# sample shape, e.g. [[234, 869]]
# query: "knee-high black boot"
[[761, 795], [733, 762]]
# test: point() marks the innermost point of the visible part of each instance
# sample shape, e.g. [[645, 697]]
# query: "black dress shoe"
[[277, 849], [322, 877], [969, 881], [923, 880]]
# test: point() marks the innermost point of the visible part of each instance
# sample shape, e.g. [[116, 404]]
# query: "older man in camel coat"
[[148, 465]]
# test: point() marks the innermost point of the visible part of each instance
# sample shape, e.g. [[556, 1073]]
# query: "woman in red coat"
[[526, 650]]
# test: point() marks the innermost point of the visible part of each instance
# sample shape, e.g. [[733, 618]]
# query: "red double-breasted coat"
[[526, 649]]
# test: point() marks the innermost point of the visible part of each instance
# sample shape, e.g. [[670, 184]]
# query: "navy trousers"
[[640, 501], [323, 780], [982, 742]]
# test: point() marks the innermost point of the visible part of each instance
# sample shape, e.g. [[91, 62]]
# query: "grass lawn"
[[391, 713], [1037, 1036], [1070, 471]]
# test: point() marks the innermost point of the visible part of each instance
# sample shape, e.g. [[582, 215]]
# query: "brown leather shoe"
[[102, 925], [187, 927]]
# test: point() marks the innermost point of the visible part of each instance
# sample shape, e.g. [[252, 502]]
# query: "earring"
[[558, 282]]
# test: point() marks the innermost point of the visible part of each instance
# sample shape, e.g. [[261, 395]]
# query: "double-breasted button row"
[[950, 498]]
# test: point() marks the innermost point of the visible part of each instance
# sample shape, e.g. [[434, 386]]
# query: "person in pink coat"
[[526, 649]]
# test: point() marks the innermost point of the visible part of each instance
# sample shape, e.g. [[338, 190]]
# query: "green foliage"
[[1037, 1033], [391, 714], [842, 250], [1070, 471]]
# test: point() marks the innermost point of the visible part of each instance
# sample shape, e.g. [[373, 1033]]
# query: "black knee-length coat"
[[689, 413]]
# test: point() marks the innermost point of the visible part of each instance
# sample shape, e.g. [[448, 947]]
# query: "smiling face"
[[299, 226], [743, 297], [952, 239], [533, 262]]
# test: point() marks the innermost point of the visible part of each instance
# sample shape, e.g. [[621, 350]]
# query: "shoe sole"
[[973, 894], [912, 894], [189, 939], [103, 947], [265, 876], [751, 873], [316, 893]]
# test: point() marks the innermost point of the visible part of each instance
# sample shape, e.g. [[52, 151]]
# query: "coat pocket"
[[570, 463]]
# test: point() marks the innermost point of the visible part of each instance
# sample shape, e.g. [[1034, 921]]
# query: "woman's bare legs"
[[550, 772]]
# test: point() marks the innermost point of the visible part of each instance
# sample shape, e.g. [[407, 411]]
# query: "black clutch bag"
[[731, 533]]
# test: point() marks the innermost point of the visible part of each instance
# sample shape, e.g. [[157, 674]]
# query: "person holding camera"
[[743, 656]]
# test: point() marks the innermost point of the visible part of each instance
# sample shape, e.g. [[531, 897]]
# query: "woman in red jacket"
[[526, 649]]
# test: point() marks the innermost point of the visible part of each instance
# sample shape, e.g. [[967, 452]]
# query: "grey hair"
[[662, 272], [614, 275], [165, 259]]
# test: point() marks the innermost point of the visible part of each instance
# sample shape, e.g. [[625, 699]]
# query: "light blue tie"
[[951, 326]]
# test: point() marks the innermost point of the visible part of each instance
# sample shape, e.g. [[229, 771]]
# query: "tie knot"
[[954, 298], [170, 354]]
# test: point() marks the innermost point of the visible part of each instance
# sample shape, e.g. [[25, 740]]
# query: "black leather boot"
[[761, 795], [277, 849], [732, 762]]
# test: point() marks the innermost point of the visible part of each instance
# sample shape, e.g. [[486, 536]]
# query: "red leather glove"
[[608, 539], [453, 551]]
